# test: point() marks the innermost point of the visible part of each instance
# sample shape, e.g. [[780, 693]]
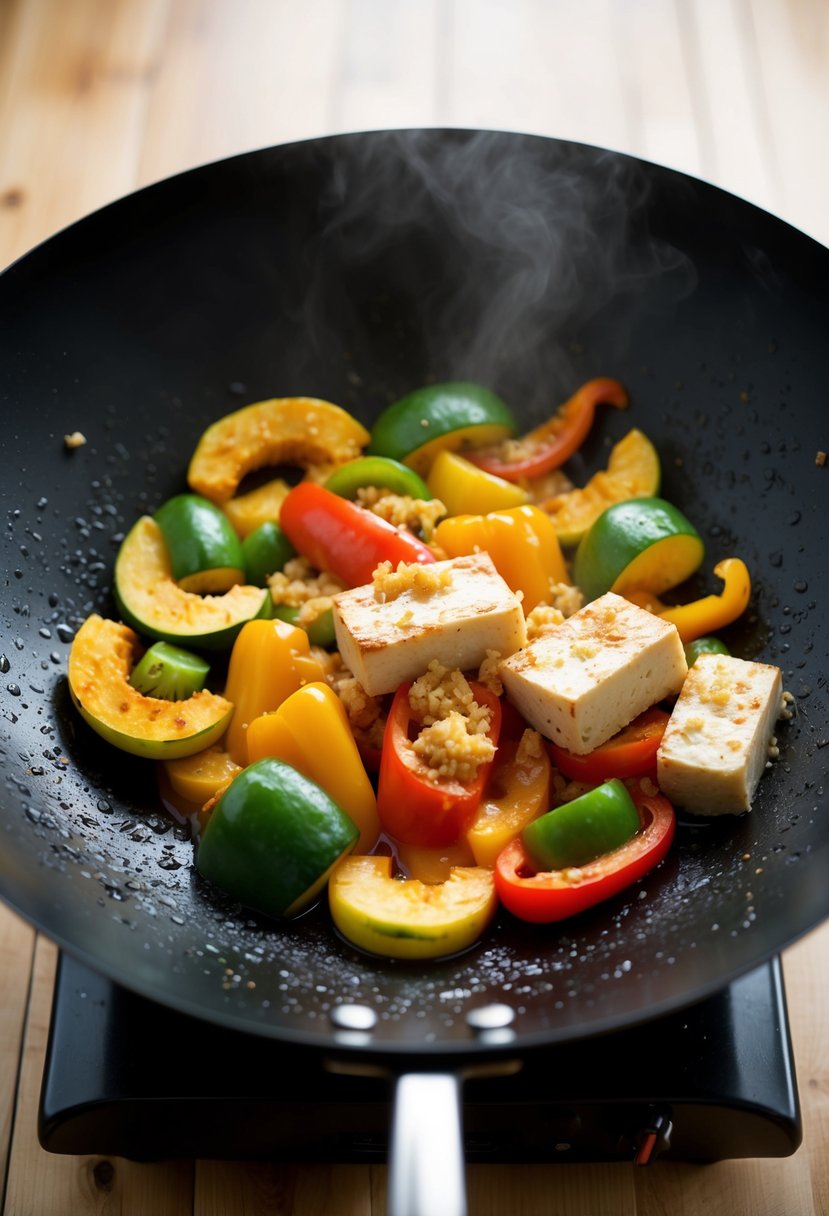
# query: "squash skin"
[[152, 603], [99, 668], [283, 430]]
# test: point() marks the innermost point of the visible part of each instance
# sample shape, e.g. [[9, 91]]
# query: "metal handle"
[[426, 1159]]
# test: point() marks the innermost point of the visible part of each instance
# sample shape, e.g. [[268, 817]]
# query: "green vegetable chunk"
[[265, 551], [205, 553], [582, 830], [709, 645], [378, 471], [320, 631], [169, 672], [273, 839], [452, 415]]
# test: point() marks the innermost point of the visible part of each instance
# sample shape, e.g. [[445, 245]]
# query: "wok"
[[355, 268]]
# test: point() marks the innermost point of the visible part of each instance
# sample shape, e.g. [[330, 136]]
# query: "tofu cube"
[[455, 612], [717, 741], [580, 683]]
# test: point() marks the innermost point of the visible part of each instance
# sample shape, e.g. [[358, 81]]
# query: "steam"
[[482, 256]]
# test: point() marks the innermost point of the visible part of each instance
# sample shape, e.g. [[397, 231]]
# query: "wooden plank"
[[653, 50], [72, 110], [17, 943], [550, 68], [792, 51], [240, 75], [51, 1185], [259, 1189], [806, 969], [740, 154], [389, 65]]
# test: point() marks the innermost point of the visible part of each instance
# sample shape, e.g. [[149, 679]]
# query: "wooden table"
[[100, 96]]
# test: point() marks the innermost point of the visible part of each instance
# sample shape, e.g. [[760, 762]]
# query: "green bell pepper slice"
[[265, 550], [273, 838], [379, 471], [169, 672], [320, 631], [707, 645], [577, 832]]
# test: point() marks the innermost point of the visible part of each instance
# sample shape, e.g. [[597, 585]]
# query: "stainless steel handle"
[[426, 1159]]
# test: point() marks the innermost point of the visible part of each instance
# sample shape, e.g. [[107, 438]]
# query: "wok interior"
[[355, 269]]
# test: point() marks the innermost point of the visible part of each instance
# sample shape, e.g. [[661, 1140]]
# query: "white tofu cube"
[[580, 683], [717, 741], [386, 643]]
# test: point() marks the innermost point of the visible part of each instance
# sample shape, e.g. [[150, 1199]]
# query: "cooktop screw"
[[353, 1017], [490, 1017]]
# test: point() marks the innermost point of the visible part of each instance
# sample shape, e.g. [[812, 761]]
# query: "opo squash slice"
[[150, 600], [99, 668], [639, 545], [283, 430], [409, 918]]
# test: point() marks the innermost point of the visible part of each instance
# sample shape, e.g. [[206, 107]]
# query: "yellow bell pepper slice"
[[406, 918], [463, 488], [522, 543], [432, 863], [518, 790], [310, 731], [713, 612], [269, 661]]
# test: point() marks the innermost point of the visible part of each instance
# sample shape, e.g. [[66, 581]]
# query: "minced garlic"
[[421, 580], [543, 618], [366, 716], [566, 598], [454, 741], [488, 673], [529, 748], [417, 514], [298, 583], [450, 751]]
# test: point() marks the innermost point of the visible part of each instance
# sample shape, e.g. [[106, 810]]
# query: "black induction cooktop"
[[127, 1077]]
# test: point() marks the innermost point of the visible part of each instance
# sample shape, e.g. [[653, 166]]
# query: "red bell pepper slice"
[[630, 753], [549, 445], [556, 894], [343, 538], [412, 807]]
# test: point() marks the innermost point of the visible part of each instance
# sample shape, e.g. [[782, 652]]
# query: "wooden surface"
[[100, 96]]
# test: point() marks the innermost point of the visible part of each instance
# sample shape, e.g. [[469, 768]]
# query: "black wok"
[[355, 268]]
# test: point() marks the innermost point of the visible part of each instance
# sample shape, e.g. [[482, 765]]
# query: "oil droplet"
[[801, 585], [4, 664], [14, 689]]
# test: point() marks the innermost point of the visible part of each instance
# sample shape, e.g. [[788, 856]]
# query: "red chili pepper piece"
[[342, 538], [556, 894], [630, 753], [412, 806], [554, 441]]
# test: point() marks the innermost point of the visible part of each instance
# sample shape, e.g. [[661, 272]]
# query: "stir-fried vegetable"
[[473, 801]]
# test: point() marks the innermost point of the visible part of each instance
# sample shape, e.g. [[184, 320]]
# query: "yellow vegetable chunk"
[[462, 487], [310, 731], [408, 918], [518, 790], [196, 778], [282, 430], [632, 471], [269, 661], [100, 663], [260, 506]]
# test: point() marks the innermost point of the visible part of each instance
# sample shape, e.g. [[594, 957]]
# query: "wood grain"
[[100, 96]]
